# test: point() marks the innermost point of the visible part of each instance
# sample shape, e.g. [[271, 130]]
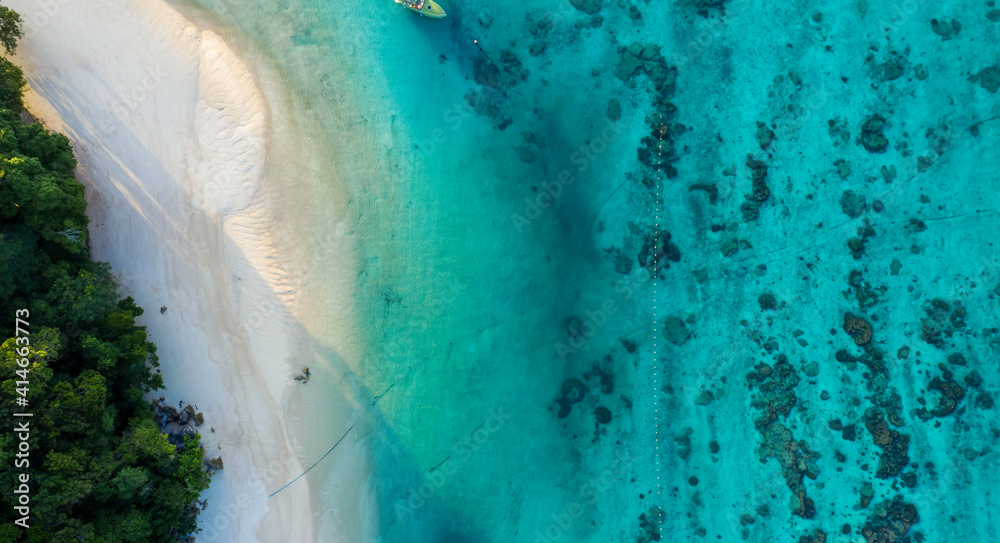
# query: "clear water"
[[462, 313], [463, 310]]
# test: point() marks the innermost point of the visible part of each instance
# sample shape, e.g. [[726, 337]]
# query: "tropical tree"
[[11, 29]]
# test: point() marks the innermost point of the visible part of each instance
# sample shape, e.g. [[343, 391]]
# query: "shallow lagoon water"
[[486, 279]]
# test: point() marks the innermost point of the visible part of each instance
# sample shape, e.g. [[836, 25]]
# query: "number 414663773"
[[21, 332]]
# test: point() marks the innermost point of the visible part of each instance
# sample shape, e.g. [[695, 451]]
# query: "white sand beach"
[[171, 131]]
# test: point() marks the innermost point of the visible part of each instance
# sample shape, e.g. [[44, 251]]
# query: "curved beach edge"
[[171, 131]]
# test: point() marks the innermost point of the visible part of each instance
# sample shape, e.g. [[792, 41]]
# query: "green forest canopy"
[[100, 468]]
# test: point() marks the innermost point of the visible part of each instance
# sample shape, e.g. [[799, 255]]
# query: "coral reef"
[[572, 391], [761, 192], [776, 391], [894, 445], [988, 78], [602, 414], [767, 301], [853, 204], [705, 7], [858, 328], [733, 246], [942, 321], [819, 536], [872, 137], [950, 394], [775, 398], [945, 29], [764, 135], [649, 525], [590, 7], [638, 58], [863, 291], [890, 522], [857, 244], [657, 252]]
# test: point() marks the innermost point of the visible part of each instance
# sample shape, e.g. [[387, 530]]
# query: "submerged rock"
[[894, 445], [657, 251], [602, 414], [573, 390], [764, 135], [589, 7], [614, 109], [819, 536], [767, 301], [942, 321], [890, 522], [853, 204], [710, 188], [950, 394], [649, 525], [705, 7], [486, 73], [945, 29], [564, 407], [675, 331], [858, 328], [988, 78], [872, 137], [892, 69], [761, 192], [775, 391]]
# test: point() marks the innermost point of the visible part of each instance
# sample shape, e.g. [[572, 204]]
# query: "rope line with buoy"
[[314, 465]]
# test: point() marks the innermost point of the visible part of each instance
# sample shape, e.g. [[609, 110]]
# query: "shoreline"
[[172, 137]]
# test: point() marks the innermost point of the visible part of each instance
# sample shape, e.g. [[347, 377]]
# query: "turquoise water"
[[500, 327]]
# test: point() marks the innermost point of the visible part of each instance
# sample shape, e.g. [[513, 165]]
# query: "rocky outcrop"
[[176, 423]]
